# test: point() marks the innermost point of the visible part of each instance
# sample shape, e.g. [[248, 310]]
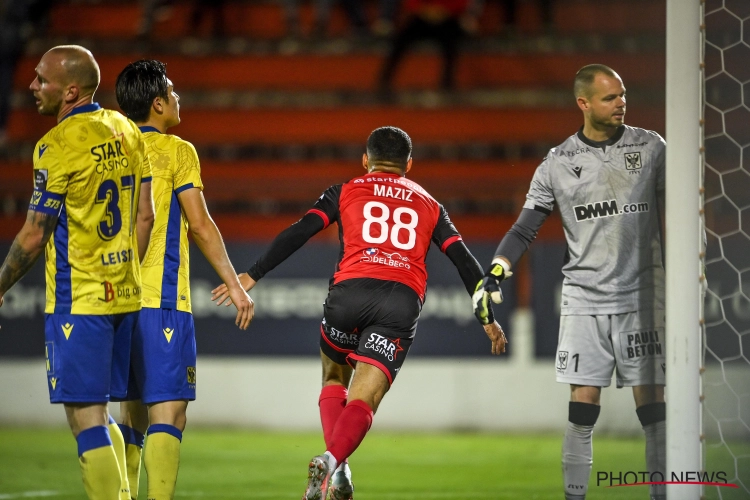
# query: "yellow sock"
[[99, 467], [133, 460], [162, 460], [118, 443], [133, 447]]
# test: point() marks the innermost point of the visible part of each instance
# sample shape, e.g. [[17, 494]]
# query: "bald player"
[[92, 214], [607, 180]]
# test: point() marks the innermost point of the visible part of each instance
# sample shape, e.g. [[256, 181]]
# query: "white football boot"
[[341, 484]]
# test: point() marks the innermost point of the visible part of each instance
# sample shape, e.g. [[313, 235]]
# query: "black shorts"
[[372, 321]]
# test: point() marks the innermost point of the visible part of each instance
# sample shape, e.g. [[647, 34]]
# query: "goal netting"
[[726, 202]]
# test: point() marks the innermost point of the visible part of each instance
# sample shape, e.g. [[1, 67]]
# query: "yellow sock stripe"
[[118, 443], [99, 468], [133, 461], [161, 456]]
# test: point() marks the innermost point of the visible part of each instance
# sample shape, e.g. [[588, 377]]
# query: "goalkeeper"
[[608, 182]]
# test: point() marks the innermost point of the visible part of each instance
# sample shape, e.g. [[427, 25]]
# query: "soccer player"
[[608, 182], [91, 211], [164, 351], [386, 224]]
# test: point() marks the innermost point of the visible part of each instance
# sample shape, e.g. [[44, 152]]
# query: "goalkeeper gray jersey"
[[607, 196]]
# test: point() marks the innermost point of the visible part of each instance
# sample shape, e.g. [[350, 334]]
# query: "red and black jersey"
[[386, 223]]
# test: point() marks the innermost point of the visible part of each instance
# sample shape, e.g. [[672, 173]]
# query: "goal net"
[[726, 203]]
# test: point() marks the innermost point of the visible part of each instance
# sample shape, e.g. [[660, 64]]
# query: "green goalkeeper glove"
[[489, 288]]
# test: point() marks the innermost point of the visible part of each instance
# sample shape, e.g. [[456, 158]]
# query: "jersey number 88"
[[382, 221]]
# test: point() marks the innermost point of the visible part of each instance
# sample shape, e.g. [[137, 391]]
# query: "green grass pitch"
[[235, 464]]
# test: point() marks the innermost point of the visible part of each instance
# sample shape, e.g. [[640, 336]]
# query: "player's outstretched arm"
[[26, 248], [471, 273], [144, 221], [209, 240], [489, 286], [282, 247], [513, 245], [220, 294]]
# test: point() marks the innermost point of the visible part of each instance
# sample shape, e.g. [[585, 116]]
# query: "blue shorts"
[[163, 356], [88, 357]]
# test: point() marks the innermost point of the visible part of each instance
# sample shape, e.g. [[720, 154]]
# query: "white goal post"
[[684, 303]]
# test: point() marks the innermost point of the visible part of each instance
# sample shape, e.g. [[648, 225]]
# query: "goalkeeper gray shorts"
[[632, 344]]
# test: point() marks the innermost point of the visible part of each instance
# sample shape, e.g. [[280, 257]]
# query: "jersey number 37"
[[109, 195]]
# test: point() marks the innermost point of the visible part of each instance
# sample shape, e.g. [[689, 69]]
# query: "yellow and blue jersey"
[[166, 267], [88, 171]]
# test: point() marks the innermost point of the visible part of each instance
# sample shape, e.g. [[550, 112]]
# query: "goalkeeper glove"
[[489, 288]]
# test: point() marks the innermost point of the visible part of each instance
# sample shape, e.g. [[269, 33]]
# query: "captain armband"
[[46, 202]]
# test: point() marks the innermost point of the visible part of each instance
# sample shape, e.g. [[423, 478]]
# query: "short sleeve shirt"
[[88, 171], [166, 266]]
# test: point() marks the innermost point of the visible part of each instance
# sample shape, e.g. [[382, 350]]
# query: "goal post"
[[683, 243]]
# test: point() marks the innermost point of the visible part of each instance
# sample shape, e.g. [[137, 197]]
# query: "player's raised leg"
[[332, 401], [336, 379], [578, 450], [367, 390], [652, 412], [342, 487]]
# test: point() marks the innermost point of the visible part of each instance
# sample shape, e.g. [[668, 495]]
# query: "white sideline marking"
[[29, 494]]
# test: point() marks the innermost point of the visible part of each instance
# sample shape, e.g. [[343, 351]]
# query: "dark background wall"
[[289, 305]]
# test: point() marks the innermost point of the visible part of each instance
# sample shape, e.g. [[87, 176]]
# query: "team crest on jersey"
[[40, 179], [562, 361], [633, 161]]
